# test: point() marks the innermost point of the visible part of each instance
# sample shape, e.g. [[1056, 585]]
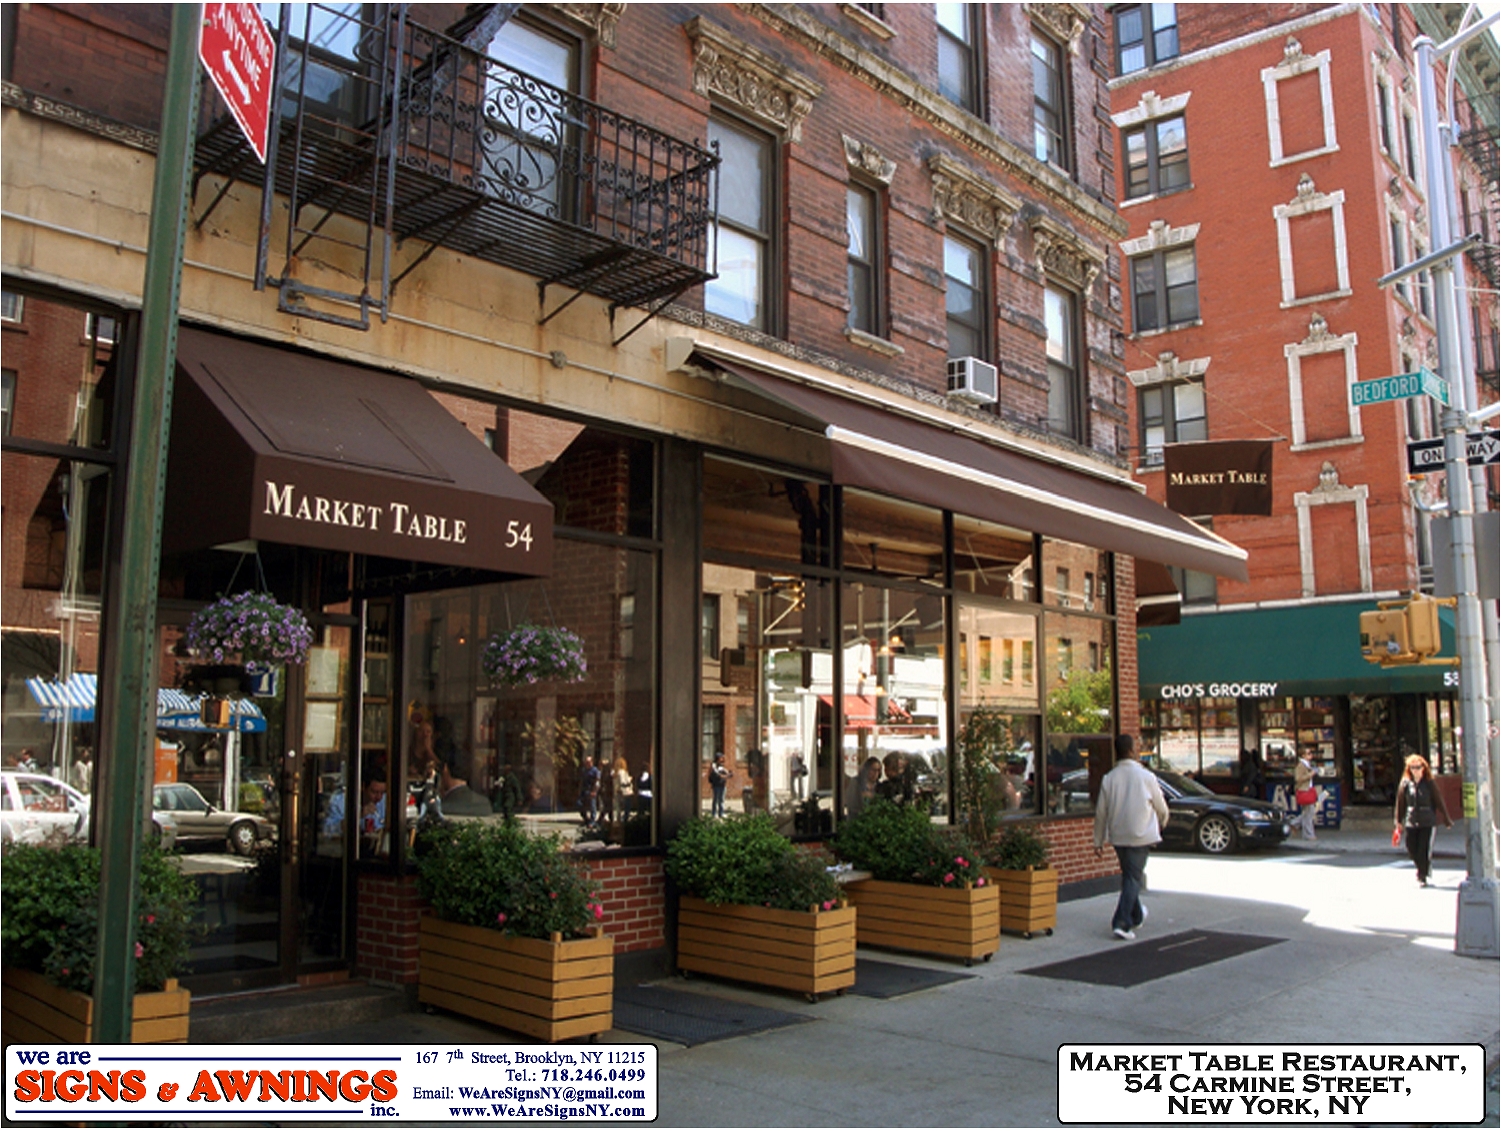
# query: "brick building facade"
[[1271, 171], [813, 500]]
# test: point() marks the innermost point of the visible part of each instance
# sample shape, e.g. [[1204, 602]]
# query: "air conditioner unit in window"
[[972, 380]]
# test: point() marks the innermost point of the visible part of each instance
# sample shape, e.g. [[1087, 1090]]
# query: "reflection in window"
[[743, 237], [899, 539], [1050, 117], [1080, 710], [1156, 157], [992, 560], [893, 703], [958, 55], [768, 514], [12, 306], [862, 219], [7, 399], [1065, 385], [477, 751], [965, 304], [1171, 414]]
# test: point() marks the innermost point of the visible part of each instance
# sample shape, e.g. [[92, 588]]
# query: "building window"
[[744, 239], [1156, 157], [100, 329], [964, 273], [1065, 389], [1194, 587], [1171, 414], [13, 309], [711, 738], [1063, 587], [627, 626], [708, 628], [959, 55], [7, 399], [1384, 115], [531, 139], [1399, 255], [1410, 147], [1145, 35], [1049, 102], [863, 220], [1164, 289]]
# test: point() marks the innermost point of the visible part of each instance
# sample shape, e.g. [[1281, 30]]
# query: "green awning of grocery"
[[1264, 653]]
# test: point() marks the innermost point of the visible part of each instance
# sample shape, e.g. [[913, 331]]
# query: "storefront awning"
[[862, 712], [72, 700], [1265, 653], [285, 447], [924, 462]]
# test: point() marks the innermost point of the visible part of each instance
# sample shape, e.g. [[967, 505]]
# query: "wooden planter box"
[[550, 990], [951, 922], [1029, 899], [810, 952], [36, 1011]]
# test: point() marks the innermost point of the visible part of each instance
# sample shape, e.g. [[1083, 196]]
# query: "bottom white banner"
[[1276, 1083], [407, 1083]]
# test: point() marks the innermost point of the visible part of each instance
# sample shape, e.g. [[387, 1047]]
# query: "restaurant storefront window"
[[998, 672]]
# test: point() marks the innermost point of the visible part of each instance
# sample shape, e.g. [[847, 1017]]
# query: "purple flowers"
[[255, 625], [530, 653]]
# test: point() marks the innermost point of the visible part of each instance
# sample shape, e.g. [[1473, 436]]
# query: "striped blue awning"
[[72, 700]]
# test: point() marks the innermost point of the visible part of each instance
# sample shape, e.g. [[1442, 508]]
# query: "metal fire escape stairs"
[[386, 132]]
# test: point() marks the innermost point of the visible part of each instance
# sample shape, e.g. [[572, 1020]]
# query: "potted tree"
[[1017, 864], [513, 937], [759, 910], [927, 890], [49, 938]]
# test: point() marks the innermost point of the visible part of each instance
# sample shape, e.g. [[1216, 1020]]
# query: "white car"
[[36, 807]]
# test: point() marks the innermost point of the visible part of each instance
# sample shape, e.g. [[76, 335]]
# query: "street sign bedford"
[[1400, 387], [1481, 448], [237, 51]]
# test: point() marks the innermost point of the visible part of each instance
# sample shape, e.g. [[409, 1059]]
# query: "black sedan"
[[1211, 822]]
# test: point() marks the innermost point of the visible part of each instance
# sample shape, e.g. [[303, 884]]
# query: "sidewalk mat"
[[1158, 958], [892, 979], [692, 1018]]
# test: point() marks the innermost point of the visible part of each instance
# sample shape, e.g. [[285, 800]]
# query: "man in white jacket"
[[1129, 815]]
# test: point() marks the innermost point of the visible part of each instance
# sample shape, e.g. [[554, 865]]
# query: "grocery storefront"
[[1288, 682]]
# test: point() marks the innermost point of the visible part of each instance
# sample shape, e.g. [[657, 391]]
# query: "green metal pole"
[[131, 683]]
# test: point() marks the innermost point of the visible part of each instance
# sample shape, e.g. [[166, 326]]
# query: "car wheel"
[[156, 834], [242, 838], [1215, 835]]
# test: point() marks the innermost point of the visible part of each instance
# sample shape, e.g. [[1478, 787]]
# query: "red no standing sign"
[[238, 53]]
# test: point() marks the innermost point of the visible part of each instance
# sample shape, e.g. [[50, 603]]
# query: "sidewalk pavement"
[[1369, 829], [1363, 943]]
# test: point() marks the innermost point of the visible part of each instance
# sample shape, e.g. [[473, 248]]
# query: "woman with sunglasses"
[[1418, 802]]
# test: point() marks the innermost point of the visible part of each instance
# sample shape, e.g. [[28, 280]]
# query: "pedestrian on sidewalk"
[[1418, 802], [1130, 816], [1306, 796]]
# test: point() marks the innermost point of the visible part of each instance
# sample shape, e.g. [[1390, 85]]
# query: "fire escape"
[[1479, 146], [390, 137]]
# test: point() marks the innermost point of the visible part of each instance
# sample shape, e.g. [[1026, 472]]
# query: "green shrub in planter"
[[1017, 849], [901, 844], [744, 860], [500, 876], [49, 915]]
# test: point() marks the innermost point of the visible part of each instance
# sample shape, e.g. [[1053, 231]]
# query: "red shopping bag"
[[1396, 837]]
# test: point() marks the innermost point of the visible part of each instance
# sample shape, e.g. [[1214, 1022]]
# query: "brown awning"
[[912, 459], [282, 446], [1158, 602]]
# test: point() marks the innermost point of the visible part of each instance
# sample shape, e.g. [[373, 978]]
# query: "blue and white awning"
[[72, 700]]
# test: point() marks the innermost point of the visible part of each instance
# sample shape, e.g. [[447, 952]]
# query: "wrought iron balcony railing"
[[414, 135]]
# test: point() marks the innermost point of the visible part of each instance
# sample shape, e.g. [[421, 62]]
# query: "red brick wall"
[[389, 907], [1071, 849]]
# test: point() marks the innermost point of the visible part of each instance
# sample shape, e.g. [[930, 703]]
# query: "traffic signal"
[[1401, 632]]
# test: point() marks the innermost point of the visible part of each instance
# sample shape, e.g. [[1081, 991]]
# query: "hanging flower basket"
[[530, 653], [254, 626]]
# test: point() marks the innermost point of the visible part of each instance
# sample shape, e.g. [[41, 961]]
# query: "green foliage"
[[744, 860], [498, 875], [49, 915], [982, 745], [900, 844], [1019, 848], [1081, 703]]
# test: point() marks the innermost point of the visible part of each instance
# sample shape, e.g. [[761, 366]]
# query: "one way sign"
[[1428, 455]]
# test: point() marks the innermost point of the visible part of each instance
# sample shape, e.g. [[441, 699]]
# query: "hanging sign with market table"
[[236, 49], [1219, 477], [1399, 388]]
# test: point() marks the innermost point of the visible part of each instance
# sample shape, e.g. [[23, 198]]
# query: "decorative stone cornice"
[[1151, 107], [1307, 198], [801, 26], [868, 159], [1063, 254], [961, 196], [1159, 236], [1169, 370], [80, 119], [1064, 22], [1318, 331], [598, 18], [725, 67]]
